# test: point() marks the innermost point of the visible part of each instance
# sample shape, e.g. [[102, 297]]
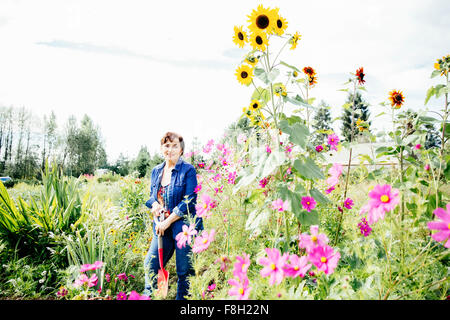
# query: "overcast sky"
[[141, 68]]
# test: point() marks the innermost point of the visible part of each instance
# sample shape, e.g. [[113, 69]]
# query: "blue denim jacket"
[[182, 183]]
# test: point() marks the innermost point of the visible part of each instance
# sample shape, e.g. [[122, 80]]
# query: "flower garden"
[[281, 221]]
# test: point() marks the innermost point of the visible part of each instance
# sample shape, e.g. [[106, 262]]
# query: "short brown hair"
[[170, 136]]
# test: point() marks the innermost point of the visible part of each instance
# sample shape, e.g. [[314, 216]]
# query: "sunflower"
[[240, 37], [294, 40], [248, 113], [244, 74], [360, 76], [258, 40], [295, 74], [443, 64], [312, 80], [262, 19], [280, 24], [254, 106], [361, 125], [309, 71], [279, 89], [251, 60], [396, 98]]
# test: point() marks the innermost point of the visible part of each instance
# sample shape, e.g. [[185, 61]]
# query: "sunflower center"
[[262, 21], [244, 74], [259, 40], [323, 259], [384, 198], [255, 106], [241, 291], [398, 98], [240, 36], [273, 266], [279, 23]]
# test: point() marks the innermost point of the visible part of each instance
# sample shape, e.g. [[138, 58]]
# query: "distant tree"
[[142, 162], [321, 122], [121, 166], [360, 111]]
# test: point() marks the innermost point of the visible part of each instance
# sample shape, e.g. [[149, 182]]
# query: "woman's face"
[[171, 150]]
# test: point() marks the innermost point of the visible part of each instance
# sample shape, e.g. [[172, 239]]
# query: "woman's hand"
[[156, 209], [160, 227]]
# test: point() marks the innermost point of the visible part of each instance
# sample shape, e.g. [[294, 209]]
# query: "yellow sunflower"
[[397, 99], [248, 113], [280, 24], [261, 19], [279, 89], [244, 74], [361, 125], [240, 36], [258, 40], [294, 40], [251, 60], [254, 106]]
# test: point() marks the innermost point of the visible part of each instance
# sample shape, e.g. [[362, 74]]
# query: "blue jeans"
[[183, 261]]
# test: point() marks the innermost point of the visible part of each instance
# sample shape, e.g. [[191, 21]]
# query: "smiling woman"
[[171, 182]]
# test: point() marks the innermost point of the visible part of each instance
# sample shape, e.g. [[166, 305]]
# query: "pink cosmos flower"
[[324, 258], [122, 276], [223, 263], [308, 203], [348, 203], [121, 296], [232, 177], [198, 188], [136, 296], [383, 198], [204, 206], [208, 147], [280, 205], [314, 240], [289, 170], [185, 236], [263, 182], [241, 266], [83, 278], [328, 191], [418, 146], [333, 141], [298, 266], [335, 172], [240, 289], [89, 267], [427, 167], [201, 165], [288, 148], [212, 287], [319, 148], [107, 277], [268, 150], [202, 242], [443, 225], [273, 265], [364, 227]]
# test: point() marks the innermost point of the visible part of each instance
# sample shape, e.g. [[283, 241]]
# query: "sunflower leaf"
[[297, 132], [289, 66], [435, 73]]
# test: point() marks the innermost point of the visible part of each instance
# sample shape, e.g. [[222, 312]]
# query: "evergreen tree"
[[142, 162], [321, 122], [360, 111]]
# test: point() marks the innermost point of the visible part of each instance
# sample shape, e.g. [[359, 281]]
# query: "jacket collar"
[[177, 166]]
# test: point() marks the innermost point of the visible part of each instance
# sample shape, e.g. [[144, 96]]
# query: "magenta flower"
[[443, 226], [427, 167], [202, 242], [121, 296], [289, 170], [298, 266], [364, 227], [62, 292], [280, 205], [418, 146], [328, 191], [122, 276], [335, 172], [324, 258], [90, 267], [241, 266], [223, 263], [204, 206], [273, 265], [136, 296], [308, 203], [107, 277], [185, 236], [319, 148], [198, 188], [268, 150], [263, 182], [348, 203], [383, 198], [333, 141], [240, 289], [314, 240], [232, 177], [212, 287]]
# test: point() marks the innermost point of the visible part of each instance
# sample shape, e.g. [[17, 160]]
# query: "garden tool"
[[163, 275]]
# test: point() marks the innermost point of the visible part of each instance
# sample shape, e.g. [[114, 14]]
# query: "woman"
[[171, 182]]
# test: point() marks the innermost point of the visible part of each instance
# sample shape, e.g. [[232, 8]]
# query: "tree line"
[[29, 141]]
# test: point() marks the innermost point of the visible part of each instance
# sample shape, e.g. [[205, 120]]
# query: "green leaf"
[[275, 159], [256, 220], [297, 132], [430, 93], [440, 89], [289, 66], [435, 73], [261, 94], [317, 195], [308, 169], [307, 218]]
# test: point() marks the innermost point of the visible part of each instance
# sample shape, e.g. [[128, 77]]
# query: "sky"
[[141, 68]]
